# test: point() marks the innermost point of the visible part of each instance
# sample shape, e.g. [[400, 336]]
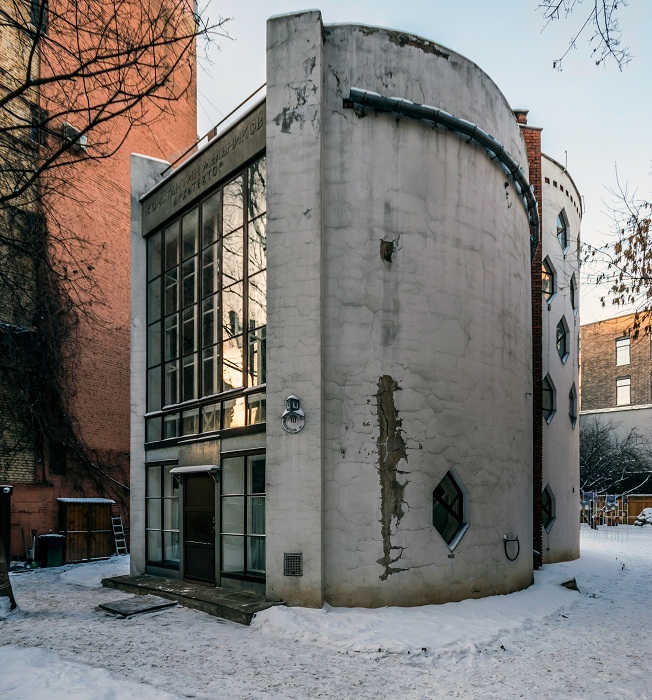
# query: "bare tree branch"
[[602, 20]]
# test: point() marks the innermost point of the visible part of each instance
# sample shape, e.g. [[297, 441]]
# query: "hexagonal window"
[[572, 405], [548, 280], [563, 339], [562, 230], [548, 510], [449, 509], [573, 294], [549, 398]]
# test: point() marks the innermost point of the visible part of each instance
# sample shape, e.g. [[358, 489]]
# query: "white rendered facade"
[[560, 240], [397, 313]]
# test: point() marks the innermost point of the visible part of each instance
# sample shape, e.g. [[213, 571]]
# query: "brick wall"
[[599, 369], [532, 136], [94, 204]]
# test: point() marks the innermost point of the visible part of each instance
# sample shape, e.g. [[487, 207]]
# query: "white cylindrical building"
[[399, 315]]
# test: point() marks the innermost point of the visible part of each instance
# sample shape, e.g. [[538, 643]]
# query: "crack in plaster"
[[391, 449]]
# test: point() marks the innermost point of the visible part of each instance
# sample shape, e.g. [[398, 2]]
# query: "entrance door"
[[199, 527]]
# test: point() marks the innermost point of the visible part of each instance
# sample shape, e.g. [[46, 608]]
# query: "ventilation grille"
[[293, 564]]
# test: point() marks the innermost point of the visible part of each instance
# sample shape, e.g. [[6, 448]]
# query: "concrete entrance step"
[[237, 606]]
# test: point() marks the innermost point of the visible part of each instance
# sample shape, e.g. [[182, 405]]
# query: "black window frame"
[[247, 494], [562, 231], [572, 405], [164, 467], [548, 508], [454, 510], [548, 407], [562, 339], [548, 274], [237, 408]]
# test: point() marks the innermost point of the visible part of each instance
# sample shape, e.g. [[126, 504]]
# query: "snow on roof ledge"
[[85, 500]]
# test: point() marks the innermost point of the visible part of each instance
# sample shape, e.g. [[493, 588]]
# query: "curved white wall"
[[442, 332], [561, 447]]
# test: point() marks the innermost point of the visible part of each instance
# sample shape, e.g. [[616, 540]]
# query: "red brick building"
[[616, 365], [94, 208]]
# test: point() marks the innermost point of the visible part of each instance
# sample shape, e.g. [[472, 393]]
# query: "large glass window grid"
[[207, 313], [162, 517], [243, 516]]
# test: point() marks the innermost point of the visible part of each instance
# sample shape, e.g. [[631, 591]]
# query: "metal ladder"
[[119, 535]]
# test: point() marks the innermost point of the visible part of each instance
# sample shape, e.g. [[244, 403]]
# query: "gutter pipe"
[[400, 107]]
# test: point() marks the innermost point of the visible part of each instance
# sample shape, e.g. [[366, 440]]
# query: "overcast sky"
[[596, 117]]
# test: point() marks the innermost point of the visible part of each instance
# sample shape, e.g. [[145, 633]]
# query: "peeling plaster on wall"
[[391, 450], [302, 93]]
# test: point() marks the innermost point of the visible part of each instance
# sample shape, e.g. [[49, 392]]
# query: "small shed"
[[86, 524]]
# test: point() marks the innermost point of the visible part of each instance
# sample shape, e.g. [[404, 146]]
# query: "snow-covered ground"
[[544, 642]]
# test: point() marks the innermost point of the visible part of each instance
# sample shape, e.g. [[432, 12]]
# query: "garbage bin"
[[49, 549]]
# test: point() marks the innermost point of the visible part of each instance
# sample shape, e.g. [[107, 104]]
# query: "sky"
[[595, 119]]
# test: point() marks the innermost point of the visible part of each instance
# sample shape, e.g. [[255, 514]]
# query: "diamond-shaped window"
[[548, 511], [449, 508]]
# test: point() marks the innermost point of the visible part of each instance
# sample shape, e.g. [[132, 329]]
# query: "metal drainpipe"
[[401, 107]]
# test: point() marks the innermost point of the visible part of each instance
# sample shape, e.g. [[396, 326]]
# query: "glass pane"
[[154, 548], [189, 289], [171, 295], [171, 337], [256, 475], [190, 377], [232, 210], [210, 215], [256, 555], [210, 270], [256, 515], [209, 321], [257, 357], [154, 254], [190, 422], [171, 546], [232, 310], [189, 330], [172, 245], [257, 300], [232, 376], [257, 182], [153, 429], [233, 554], [257, 244], [170, 485], [172, 383], [170, 514], [256, 409], [154, 389], [211, 417], [154, 344], [154, 300], [154, 513], [232, 257], [232, 475], [233, 514], [153, 486], [210, 371], [234, 413], [189, 233], [171, 426]]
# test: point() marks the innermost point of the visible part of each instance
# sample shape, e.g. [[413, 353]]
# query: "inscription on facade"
[[220, 158]]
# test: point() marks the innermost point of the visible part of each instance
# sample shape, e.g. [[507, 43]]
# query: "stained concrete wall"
[[561, 445], [406, 369]]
